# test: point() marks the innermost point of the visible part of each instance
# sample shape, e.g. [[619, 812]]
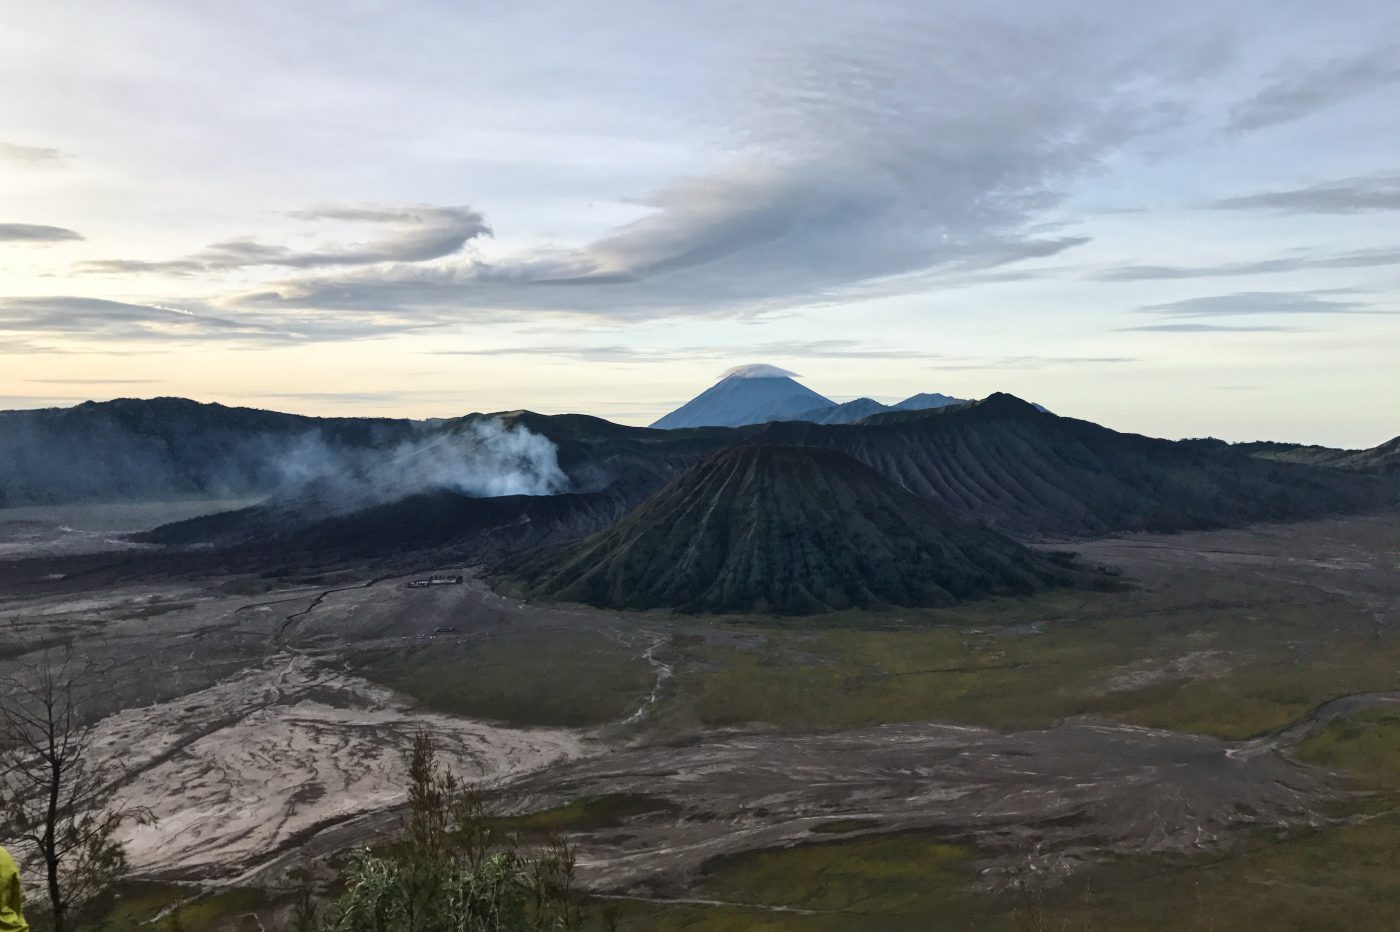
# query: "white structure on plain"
[[438, 580]]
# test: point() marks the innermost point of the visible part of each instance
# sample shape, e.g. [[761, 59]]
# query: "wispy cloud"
[[1299, 91], [85, 325], [36, 233], [857, 154], [17, 154], [813, 349], [459, 401], [974, 363], [1243, 303], [1355, 259], [419, 234], [23, 402], [1347, 196], [91, 381], [1210, 328], [97, 318], [843, 176], [820, 349], [334, 397]]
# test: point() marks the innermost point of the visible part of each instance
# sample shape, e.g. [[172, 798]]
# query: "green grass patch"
[[135, 906], [560, 678], [1366, 746], [898, 883], [130, 904], [1338, 879], [1333, 878], [585, 815], [1225, 659], [864, 877]]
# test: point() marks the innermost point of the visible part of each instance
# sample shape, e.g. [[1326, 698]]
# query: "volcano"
[[785, 530], [747, 395]]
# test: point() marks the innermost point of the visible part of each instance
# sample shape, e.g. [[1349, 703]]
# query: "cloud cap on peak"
[[759, 370]]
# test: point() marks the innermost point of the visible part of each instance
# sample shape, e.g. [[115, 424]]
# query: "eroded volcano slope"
[[785, 530], [1030, 473]]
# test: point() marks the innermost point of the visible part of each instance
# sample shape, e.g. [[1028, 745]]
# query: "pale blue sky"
[[1178, 221]]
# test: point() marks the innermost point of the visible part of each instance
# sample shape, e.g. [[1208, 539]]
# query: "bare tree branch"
[[52, 793]]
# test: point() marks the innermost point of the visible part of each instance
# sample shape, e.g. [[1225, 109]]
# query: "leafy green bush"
[[453, 872]]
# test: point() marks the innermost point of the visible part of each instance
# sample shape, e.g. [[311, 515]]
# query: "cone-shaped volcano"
[[747, 395], [785, 530]]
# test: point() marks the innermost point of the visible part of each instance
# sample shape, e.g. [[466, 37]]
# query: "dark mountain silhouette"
[[134, 449], [747, 395], [292, 537], [785, 530], [1003, 462], [998, 461]]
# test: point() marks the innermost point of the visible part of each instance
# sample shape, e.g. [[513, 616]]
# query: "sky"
[[1178, 220]]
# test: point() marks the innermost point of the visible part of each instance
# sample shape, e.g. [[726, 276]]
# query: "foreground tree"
[[53, 796], [453, 872]]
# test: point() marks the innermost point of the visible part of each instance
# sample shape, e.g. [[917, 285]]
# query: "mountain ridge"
[[998, 461], [1004, 462], [861, 409]]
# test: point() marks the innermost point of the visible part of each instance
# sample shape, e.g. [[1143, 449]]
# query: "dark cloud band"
[[36, 233]]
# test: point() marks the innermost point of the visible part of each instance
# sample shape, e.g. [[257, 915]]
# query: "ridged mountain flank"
[[1002, 462], [785, 530]]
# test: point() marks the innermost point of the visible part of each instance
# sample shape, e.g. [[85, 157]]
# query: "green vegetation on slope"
[[1382, 458]]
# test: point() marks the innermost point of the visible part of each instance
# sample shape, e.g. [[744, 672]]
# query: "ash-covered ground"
[[265, 724]]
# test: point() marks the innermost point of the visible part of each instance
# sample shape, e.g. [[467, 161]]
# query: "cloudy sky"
[[1180, 220]]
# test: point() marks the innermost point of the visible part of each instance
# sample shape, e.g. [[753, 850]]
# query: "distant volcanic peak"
[[926, 400], [748, 395], [847, 413], [759, 370], [996, 406], [1005, 403], [784, 530]]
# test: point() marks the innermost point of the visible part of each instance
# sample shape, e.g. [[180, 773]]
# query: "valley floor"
[[1212, 748]]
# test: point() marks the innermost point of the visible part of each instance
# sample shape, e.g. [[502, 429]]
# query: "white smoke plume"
[[483, 459]]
